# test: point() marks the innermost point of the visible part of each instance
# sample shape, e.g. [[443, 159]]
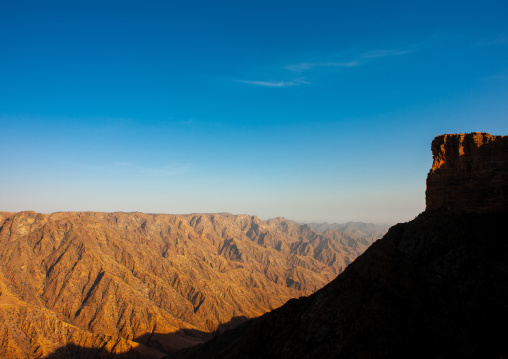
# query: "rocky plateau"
[[469, 173]]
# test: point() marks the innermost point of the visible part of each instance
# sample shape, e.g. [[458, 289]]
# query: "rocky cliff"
[[469, 173], [435, 287], [133, 284]]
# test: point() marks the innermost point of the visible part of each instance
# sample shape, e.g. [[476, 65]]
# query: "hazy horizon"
[[208, 213], [312, 111]]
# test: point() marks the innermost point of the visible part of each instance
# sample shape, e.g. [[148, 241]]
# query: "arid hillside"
[[354, 229], [142, 284]]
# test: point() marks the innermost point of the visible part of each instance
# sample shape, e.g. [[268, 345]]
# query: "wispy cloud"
[[273, 83], [308, 65], [356, 60], [385, 53]]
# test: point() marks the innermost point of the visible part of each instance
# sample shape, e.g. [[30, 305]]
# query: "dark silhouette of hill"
[[435, 287]]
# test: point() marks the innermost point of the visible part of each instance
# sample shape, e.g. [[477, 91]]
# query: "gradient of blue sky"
[[311, 110]]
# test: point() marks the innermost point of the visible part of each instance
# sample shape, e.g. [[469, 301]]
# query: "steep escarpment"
[[126, 284], [435, 287], [469, 173]]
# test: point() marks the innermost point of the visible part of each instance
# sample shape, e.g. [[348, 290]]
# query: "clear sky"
[[310, 110]]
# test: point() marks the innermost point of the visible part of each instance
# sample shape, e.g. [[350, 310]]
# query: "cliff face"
[[136, 284], [435, 287], [469, 173]]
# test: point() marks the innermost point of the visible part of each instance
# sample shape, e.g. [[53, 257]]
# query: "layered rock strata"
[[469, 173]]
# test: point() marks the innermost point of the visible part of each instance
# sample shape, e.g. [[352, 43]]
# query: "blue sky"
[[310, 110]]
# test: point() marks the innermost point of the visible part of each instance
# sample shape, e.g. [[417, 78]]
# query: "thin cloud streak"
[[272, 83], [308, 65], [304, 66], [360, 60], [386, 53]]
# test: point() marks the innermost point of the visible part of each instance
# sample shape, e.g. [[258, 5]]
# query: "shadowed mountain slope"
[[435, 287], [141, 284]]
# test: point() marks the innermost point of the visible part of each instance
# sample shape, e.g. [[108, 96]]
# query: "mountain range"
[[115, 285], [149, 284]]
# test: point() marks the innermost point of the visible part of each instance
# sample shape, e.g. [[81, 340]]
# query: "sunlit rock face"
[[469, 173]]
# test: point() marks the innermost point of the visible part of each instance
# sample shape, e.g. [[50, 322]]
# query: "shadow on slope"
[[147, 346], [436, 287]]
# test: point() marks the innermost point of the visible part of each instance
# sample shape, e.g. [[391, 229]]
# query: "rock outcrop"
[[139, 285], [469, 173], [435, 287]]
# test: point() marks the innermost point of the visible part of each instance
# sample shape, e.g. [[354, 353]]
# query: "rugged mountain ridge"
[[136, 284], [355, 229], [435, 287]]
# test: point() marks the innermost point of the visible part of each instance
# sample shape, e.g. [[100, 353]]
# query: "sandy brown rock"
[[161, 281], [32, 331], [469, 173]]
